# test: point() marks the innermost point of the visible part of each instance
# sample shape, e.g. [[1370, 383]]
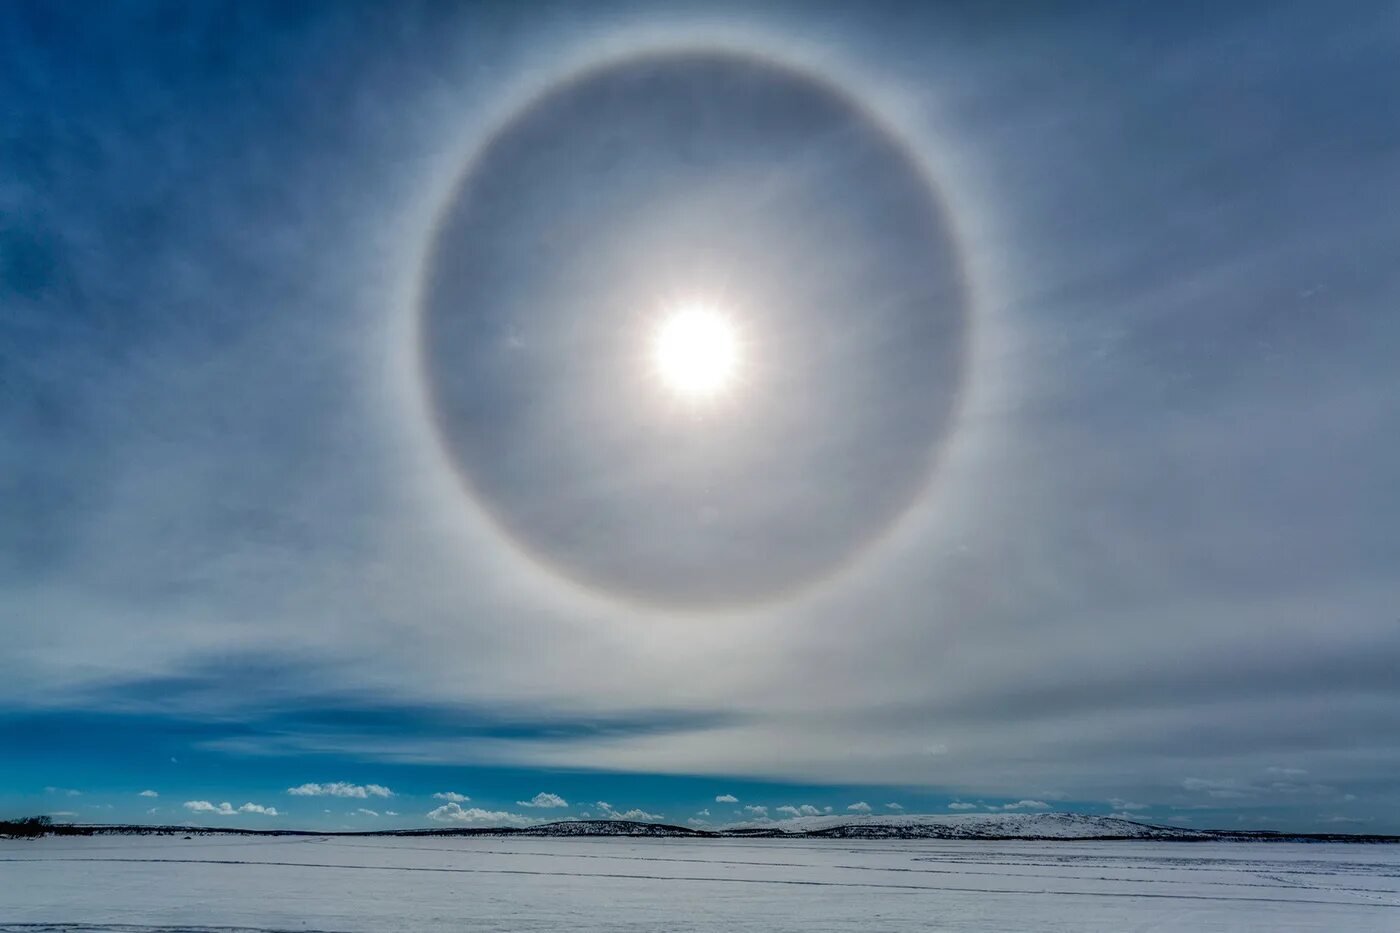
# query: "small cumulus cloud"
[[635, 813], [1023, 805], [726, 798], [148, 793], [452, 796], [340, 789], [228, 809], [757, 810], [805, 809], [544, 800], [390, 813], [1119, 804], [704, 812], [639, 814], [364, 811], [961, 805], [456, 813], [860, 806], [894, 806]]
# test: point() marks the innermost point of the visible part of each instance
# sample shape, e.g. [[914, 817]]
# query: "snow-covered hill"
[[903, 826], [968, 826], [606, 828]]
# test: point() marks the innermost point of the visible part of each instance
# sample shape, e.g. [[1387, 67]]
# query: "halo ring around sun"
[[486, 355]]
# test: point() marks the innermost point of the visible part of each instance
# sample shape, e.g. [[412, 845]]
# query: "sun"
[[696, 352]]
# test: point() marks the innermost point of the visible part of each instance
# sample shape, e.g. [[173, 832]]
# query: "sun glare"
[[696, 351]]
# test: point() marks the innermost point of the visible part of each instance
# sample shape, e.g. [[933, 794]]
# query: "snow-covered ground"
[[634, 884]]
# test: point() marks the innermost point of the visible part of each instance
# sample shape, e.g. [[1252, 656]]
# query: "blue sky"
[[1146, 563]]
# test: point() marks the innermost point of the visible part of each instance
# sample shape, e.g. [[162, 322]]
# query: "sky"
[[1058, 472]]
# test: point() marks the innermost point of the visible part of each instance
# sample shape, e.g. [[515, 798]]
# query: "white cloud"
[[340, 789], [148, 793], [363, 811], [960, 805], [757, 810], [894, 806], [1023, 805], [860, 806], [638, 814], [634, 814], [390, 813], [1120, 804], [726, 798], [452, 796], [805, 809], [63, 813], [544, 800], [455, 813], [228, 809], [704, 812], [152, 811]]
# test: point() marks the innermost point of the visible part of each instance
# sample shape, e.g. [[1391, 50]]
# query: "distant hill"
[[970, 826]]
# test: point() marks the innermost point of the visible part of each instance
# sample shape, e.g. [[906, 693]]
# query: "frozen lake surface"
[[394, 884]]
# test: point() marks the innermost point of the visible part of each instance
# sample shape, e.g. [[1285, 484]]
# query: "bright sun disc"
[[696, 352]]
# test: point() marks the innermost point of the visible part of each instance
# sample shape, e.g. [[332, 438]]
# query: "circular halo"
[[446, 399]]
